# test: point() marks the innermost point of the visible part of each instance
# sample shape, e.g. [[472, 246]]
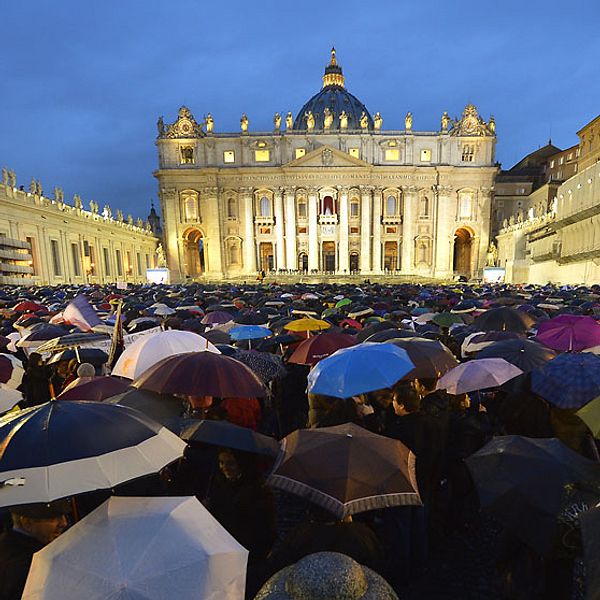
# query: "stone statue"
[[130, 220], [139, 223], [161, 257], [277, 121], [364, 121], [38, 188], [209, 123], [107, 212], [77, 202], [244, 123], [327, 118], [445, 121], [94, 207], [492, 124], [33, 186], [343, 120], [12, 178], [4, 176], [377, 121], [119, 215], [408, 121], [492, 255], [160, 125], [289, 121], [310, 120]]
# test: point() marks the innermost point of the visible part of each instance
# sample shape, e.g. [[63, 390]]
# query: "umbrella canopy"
[[431, 358], [478, 374], [201, 374], [162, 408], [569, 333], [217, 317], [28, 306], [359, 369], [590, 535], [525, 354], [266, 366], [523, 481], [346, 469], [150, 349], [446, 319], [314, 349], [94, 356], [39, 334], [95, 389], [72, 340], [9, 398], [58, 449], [569, 380], [504, 318], [11, 371], [307, 324], [142, 548], [228, 435], [249, 332]]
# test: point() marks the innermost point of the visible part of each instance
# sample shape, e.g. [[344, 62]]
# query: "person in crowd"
[[35, 384]]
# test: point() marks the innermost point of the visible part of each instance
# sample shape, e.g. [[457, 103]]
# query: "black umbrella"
[[72, 340], [390, 334], [364, 334], [525, 354], [93, 356], [162, 408], [252, 318], [504, 318]]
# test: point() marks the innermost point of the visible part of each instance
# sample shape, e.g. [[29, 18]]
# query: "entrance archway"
[[194, 253], [328, 256], [390, 256], [463, 240], [354, 262], [303, 262], [267, 260]]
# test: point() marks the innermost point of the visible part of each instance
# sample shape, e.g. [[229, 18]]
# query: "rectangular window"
[[392, 154], [262, 155], [300, 152], [302, 230], [354, 152], [76, 262], [570, 156], [186, 155], [354, 230], [119, 263], [552, 164], [468, 153], [129, 264], [55, 258], [562, 160], [229, 156], [426, 155], [147, 261], [33, 262], [139, 263], [390, 230], [354, 209], [106, 261], [265, 230]]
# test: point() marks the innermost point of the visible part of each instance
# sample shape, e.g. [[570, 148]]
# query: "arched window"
[[328, 206], [231, 208], [302, 208], [190, 206], [391, 206], [234, 256], [424, 207], [265, 207], [464, 206], [354, 208]]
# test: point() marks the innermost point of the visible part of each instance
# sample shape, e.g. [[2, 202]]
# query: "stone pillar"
[[169, 202], [290, 228], [483, 216], [377, 198], [446, 207], [313, 240], [409, 215], [365, 229], [279, 235], [249, 241], [343, 249], [213, 244]]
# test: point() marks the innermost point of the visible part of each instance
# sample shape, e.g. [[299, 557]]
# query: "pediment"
[[327, 156]]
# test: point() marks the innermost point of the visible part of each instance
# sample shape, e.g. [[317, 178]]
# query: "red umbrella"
[[28, 306], [351, 323], [312, 350], [94, 388], [201, 374]]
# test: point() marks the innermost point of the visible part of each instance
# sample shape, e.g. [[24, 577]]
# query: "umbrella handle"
[[74, 510], [593, 448]]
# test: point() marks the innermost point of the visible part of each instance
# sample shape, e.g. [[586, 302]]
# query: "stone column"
[[365, 229], [213, 243], [313, 240], [343, 249], [408, 227], [169, 202], [249, 241], [290, 228], [446, 207], [377, 198], [483, 217], [279, 235]]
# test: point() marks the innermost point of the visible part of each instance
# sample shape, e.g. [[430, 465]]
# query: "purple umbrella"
[[217, 317], [569, 333]]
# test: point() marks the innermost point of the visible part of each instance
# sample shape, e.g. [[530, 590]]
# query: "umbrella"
[[93, 388], [150, 349], [359, 369], [478, 374], [11, 371], [249, 332], [266, 367], [446, 319], [569, 380], [525, 354], [9, 398], [431, 358], [523, 481], [142, 548], [73, 340], [307, 324], [58, 449], [343, 302], [372, 328], [570, 333], [162, 408], [391, 334], [217, 317], [228, 435], [94, 356], [162, 310], [504, 318], [590, 535], [251, 318], [201, 374], [39, 334], [346, 469], [314, 349], [28, 306]]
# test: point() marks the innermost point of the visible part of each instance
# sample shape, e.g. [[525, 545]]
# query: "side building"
[[46, 241], [327, 191]]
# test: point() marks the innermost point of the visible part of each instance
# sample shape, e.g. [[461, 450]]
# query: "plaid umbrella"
[[569, 380]]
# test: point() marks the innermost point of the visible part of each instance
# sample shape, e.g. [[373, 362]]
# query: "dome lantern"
[[333, 73]]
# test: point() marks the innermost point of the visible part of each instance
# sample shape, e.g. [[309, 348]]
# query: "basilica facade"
[[326, 191]]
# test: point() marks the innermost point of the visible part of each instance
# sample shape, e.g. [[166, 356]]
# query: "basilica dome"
[[333, 108]]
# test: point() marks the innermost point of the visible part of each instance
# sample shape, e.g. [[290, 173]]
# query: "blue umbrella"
[[249, 332], [359, 369], [569, 380]]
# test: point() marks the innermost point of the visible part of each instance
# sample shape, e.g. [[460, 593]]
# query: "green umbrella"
[[328, 312], [446, 319], [343, 302], [590, 415]]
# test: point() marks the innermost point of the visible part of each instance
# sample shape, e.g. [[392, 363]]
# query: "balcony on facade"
[[391, 220], [328, 219], [16, 262]]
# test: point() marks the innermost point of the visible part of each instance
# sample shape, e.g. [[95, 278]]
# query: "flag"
[[118, 343], [81, 314]]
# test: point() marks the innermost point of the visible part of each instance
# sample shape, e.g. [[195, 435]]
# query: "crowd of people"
[[441, 328]]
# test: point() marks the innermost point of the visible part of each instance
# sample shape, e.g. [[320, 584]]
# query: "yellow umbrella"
[[307, 324]]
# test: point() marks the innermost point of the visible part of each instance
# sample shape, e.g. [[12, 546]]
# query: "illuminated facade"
[[326, 191]]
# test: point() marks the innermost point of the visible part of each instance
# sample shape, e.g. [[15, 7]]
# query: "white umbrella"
[[163, 310], [18, 371], [141, 549], [478, 374], [9, 398], [150, 349]]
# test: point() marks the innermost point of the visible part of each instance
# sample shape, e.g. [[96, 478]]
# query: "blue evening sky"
[[83, 83]]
